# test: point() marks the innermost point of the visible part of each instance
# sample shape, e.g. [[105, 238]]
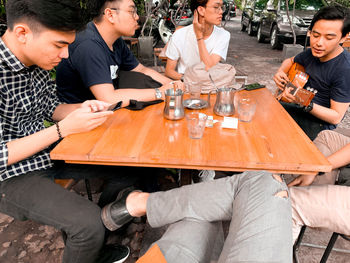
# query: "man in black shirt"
[[99, 56], [328, 67]]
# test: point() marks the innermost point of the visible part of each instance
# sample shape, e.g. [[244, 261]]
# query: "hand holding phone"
[[115, 106]]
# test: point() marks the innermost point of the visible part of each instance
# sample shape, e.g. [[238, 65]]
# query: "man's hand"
[[95, 105], [198, 25], [281, 79], [174, 84], [303, 180], [85, 118]]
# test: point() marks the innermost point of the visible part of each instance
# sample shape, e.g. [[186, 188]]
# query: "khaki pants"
[[323, 204]]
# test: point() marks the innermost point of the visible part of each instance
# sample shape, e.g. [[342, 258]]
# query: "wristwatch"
[[158, 93], [309, 107]]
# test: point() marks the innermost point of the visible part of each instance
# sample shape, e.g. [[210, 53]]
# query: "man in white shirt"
[[202, 41]]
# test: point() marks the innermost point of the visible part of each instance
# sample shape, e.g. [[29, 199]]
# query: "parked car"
[[274, 23], [251, 15], [230, 7]]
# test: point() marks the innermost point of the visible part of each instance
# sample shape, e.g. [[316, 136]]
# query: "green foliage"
[[239, 4], [2, 11], [345, 3], [47, 124], [140, 5], [53, 73], [303, 4]]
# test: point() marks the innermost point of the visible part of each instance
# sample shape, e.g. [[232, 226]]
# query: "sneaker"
[[206, 175], [113, 254]]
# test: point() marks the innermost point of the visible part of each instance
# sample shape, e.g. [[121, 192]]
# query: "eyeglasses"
[[133, 12], [218, 8]]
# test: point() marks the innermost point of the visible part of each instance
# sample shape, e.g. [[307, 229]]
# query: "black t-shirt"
[[90, 63], [331, 78]]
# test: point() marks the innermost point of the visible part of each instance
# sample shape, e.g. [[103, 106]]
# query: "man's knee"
[[282, 193], [88, 228]]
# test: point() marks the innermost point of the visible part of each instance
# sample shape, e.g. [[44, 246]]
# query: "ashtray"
[[195, 104]]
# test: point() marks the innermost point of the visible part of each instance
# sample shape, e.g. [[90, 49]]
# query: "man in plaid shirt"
[[37, 38]]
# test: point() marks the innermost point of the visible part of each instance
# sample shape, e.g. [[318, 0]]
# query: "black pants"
[[307, 122], [36, 197], [115, 178]]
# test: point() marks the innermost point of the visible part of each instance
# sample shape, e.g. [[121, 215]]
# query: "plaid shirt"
[[27, 98]]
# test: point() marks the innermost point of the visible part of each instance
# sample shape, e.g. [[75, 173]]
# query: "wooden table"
[[271, 141]]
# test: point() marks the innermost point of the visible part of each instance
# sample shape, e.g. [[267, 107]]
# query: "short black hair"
[[59, 15], [196, 3], [97, 8], [333, 13]]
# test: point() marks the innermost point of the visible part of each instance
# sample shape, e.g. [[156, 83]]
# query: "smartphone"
[[115, 106], [254, 86]]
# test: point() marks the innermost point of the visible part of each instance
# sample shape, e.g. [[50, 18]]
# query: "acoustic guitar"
[[295, 86]]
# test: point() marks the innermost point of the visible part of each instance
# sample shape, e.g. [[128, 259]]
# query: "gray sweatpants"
[[260, 228]]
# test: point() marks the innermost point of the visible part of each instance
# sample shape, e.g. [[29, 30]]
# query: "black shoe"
[[115, 215], [113, 254]]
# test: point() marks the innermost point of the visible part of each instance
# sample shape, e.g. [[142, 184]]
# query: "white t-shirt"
[[183, 46]]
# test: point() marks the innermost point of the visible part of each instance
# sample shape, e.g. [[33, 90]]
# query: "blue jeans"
[[260, 228]]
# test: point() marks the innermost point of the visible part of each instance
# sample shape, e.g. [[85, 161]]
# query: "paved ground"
[[34, 243]]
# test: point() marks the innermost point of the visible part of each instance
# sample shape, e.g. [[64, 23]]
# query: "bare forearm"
[[25, 147], [126, 95], [286, 64], [340, 158], [327, 114], [88, 116], [173, 74], [154, 75], [63, 110], [205, 56]]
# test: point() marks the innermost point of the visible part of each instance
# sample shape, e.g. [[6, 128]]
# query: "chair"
[[329, 247], [327, 251]]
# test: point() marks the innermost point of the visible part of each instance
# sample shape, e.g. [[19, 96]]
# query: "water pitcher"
[[224, 104], [174, 109]]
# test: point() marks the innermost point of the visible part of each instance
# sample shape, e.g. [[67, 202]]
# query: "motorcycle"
[[164, 21]]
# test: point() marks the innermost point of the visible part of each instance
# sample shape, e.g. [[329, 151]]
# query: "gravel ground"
[[34, 243]]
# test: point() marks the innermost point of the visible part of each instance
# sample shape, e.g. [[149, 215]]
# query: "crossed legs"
[[256, 203]]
